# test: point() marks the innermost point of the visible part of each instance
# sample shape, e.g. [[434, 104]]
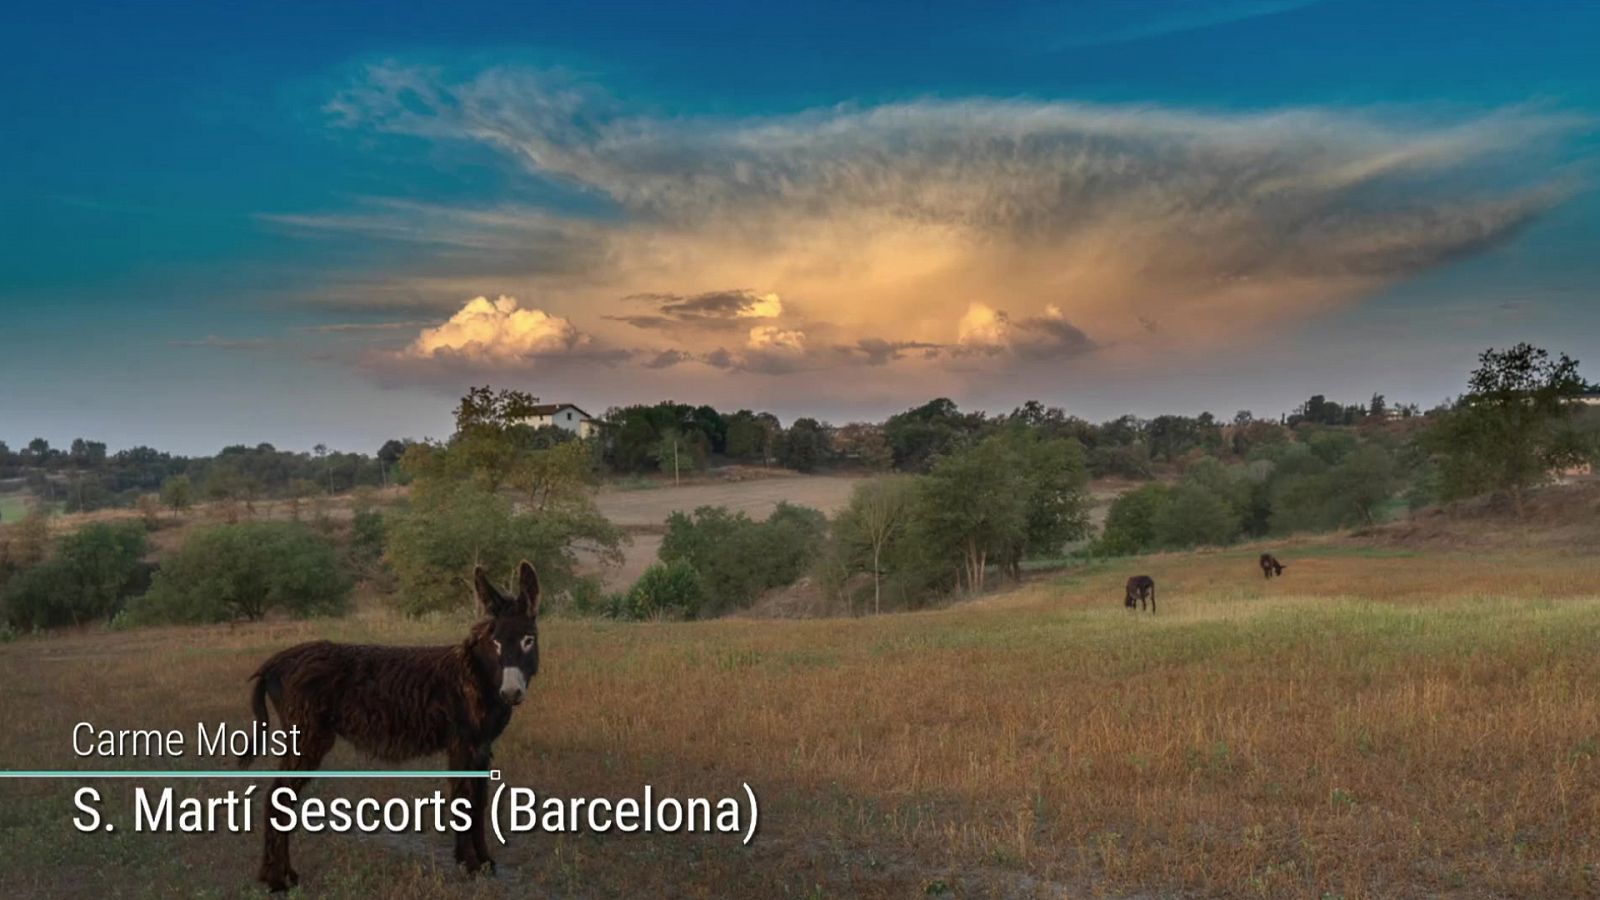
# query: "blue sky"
[[234, 222]]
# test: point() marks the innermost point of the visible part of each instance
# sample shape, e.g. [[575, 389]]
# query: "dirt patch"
[[755, 497], [1562, 517]]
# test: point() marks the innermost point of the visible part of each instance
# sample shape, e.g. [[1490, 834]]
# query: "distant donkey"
[[397, 703], [1140, 588], [1270, 565]]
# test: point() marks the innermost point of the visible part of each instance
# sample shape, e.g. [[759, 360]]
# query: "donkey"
[[1270, 565], [1140, 588], [397, 703]]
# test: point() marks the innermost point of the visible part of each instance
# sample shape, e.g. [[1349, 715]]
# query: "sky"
[[232, 222]]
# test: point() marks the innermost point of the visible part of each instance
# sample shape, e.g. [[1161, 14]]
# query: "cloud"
[[771, 337], [987, 331], [713, 309], [1006, 233], [983, 327], [498, 331], [879, 352], [666, 359]]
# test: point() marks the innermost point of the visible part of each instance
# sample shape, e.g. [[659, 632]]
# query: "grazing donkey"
[[1140, 588], [397, 703], [1270, 565]]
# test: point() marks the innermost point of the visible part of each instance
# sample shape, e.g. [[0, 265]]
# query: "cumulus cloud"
[[498, 330], [1015, 232]]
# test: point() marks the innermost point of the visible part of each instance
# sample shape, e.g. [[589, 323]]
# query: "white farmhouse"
[[566, 416]]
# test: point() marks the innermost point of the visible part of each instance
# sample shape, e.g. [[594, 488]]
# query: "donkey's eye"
[[527, 642]]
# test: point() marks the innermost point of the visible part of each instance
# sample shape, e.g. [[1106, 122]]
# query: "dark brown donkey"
[[1270, 565], [397, 703], [1140, 588]]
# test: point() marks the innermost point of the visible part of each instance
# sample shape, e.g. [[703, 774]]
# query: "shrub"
[[367, 532], [1125, 461], [1131, 522], [586, 597], [738, 558], [790, 539], [177, 492], [246, 571], [87, 577], [1194, 516], [666, 589]]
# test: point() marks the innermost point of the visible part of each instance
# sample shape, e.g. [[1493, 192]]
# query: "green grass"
[[12, 507]]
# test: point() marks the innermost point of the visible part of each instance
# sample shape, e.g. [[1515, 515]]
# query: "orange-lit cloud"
[[932, 240]]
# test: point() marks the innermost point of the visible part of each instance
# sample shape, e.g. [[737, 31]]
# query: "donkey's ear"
[[528, 583], [490, 601]]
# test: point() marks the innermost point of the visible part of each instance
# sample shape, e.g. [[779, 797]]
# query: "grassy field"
[[13, 507], [1378, 723]]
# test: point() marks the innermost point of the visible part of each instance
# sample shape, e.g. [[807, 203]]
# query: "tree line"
[[957, 499], [85, 477]]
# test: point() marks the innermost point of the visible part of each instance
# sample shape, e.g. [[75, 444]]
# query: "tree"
[[805, 445], [1362, 483], [750, 435], [920, 435], [865, 443], [389, 456], [1510, 431], [879, 512], [973, 505], [1170, 436], [391, 451], [453, 525], [673, 453], [177, 493], [1055, 482]]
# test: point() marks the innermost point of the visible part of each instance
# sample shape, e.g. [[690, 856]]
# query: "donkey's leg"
[[275, 868], [480, 830], [464, 756]]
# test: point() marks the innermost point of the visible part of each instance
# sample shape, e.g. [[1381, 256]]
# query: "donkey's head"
[[513, 629]]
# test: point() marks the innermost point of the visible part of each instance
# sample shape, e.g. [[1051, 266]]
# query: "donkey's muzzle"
[[513, 685]]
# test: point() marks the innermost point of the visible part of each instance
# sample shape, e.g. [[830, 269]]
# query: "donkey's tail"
[[258, 705]]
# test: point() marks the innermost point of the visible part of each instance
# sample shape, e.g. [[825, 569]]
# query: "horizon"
[[312, 225], [1222, 419]]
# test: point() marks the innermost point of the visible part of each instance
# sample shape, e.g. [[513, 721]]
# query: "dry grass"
[[756, 497], [1376, 724]]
